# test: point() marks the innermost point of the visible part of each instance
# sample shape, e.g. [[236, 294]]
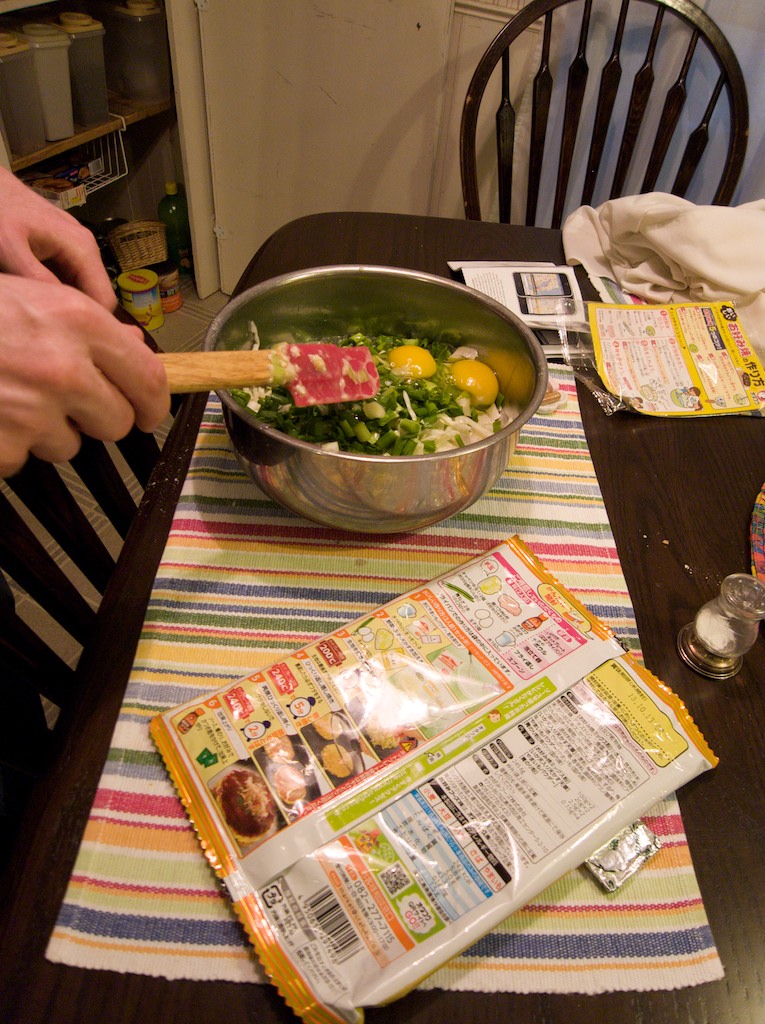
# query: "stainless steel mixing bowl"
[[378, 493]]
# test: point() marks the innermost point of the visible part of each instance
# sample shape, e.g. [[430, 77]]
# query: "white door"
[[318, 105]]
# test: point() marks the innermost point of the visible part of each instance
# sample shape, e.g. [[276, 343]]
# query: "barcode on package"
[[326, 913]]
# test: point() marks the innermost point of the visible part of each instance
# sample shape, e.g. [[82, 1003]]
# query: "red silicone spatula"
[[315, 373]]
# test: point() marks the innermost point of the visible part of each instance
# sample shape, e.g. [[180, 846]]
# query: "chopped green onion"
[[241, 396], [406, 417], [364, 434]]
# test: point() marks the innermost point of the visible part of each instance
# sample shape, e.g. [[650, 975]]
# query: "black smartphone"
[[542, 292]]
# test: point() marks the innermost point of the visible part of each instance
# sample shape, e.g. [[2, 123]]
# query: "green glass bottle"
[[174, 214]]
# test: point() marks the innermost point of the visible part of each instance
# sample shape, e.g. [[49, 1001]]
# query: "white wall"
[[743, 22]]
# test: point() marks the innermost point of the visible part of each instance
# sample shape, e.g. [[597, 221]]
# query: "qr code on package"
[[395, 879]]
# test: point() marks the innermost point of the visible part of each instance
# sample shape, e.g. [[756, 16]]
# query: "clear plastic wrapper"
[[383, 797], [576, 350]]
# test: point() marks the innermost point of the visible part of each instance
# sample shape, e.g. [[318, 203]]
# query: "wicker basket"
[[139, 243]]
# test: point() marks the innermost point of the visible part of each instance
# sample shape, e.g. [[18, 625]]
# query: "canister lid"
[[77, 21], [137, 280], [139, 8], [11, 44], [40, 33]]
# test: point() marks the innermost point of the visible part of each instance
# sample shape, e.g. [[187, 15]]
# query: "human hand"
[[44, 243], [68, 366]]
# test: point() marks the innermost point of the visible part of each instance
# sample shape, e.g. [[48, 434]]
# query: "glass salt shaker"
[[724, 628]]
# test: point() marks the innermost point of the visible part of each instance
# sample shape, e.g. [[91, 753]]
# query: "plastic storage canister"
[[139, 294], [50, 53], [19, 100], [136, 49], [87, 72]]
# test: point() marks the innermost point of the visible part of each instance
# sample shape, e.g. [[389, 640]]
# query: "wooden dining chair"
[[649, 117], [66, 665]]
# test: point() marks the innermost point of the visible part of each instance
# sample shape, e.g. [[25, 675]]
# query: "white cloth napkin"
[[666, 249]]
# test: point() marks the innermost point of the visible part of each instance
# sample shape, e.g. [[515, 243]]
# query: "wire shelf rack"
[[106, 160]]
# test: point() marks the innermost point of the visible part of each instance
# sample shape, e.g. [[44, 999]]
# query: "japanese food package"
[[383, 797]]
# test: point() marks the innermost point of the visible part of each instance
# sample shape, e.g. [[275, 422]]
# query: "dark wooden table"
[[679, 495]]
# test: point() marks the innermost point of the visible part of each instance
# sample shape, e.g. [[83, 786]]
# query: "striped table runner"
[[241, 582]]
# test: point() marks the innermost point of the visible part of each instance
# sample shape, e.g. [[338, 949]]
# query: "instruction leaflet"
[[688, 359]]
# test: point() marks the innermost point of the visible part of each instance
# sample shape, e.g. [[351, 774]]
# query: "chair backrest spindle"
[[697, 143], [578, 75], [543, 86], [670, 115], [641, 94], [609, 86], [641, 141], [505, 140]]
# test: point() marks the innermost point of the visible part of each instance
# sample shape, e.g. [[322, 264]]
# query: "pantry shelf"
[[8, 6], [123, 112]]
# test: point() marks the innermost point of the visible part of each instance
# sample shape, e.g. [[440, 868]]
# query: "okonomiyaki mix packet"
[[383, 797]]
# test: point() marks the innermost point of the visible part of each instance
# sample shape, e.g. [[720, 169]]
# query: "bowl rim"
[[504, 433]]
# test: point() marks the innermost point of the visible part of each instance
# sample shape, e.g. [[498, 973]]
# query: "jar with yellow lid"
[[139, 294]]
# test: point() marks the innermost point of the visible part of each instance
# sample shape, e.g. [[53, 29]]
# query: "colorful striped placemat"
[[241, 582]]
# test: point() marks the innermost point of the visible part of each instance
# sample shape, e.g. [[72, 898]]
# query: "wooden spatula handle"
[[208, 371]]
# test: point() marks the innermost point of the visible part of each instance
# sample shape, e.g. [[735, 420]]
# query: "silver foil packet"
[[620, 858]]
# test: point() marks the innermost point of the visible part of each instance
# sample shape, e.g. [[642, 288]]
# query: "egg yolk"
[[478, 379], [412, 361]]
